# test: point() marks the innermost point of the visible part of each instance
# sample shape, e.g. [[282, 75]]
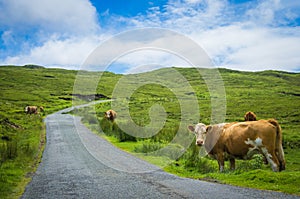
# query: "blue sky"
[[237, 34]]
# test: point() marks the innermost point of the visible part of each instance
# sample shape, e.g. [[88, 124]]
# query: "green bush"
[[112, 129], [246, 165], [8, 150], [90, 119], [148, 147]]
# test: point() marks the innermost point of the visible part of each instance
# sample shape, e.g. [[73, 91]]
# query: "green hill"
[[270, 94]]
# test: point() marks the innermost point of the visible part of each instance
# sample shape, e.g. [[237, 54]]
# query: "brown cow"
[[242, 140], [110, 115], [250, 116], [31, 109]]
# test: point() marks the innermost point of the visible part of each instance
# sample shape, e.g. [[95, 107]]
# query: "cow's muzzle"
[[199, 142]]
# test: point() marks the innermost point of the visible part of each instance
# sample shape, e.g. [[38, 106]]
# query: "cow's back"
[[239, 137]]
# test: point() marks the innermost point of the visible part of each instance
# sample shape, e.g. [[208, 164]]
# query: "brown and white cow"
[[242, 140], [31, 109], [250, 116], [110, 115]]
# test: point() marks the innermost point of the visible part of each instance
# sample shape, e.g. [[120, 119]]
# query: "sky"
[[247, 35]]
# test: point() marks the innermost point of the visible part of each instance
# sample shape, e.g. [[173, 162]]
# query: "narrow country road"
[[78, 164]]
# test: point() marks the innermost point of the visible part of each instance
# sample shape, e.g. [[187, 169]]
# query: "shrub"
[[90, 119], [194, 161], [148, 147], [173, 151], [8, 150], [255, 163], [121, 135], [112, 129]]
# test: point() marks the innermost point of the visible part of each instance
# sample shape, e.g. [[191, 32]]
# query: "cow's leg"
[[275, 165], [232, 163], [280, 157], [271, 158], [265, 160], [221, 166], [220, 158]]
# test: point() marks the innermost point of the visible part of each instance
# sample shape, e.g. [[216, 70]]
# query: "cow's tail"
[[278, 144]]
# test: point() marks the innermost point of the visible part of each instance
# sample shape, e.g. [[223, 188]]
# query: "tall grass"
[[111, 129]]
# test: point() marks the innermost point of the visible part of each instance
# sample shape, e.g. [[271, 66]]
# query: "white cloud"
[[255, 48], [193, 1], [49, 33], [184, 16], [68, 16], [69, 53], [272, 53], [7, 37], [144, 47]]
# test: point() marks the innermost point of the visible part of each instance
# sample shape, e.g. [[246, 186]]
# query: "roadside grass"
[[263, 179]]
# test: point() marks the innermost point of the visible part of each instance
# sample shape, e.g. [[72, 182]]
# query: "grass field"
[[270, 94]]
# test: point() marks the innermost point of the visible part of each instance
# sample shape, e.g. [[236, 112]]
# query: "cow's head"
[[250, 116], [200, 132], [110, 115], [107, 114]]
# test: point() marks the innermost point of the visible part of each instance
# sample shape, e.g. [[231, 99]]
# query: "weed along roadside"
[[270, 94]]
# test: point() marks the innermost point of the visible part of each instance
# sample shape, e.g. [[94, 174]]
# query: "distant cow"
[[110, 115], [31, 109], [242, 140], [250, 116]]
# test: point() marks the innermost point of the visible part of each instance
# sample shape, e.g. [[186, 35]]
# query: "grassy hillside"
[[270, 94]]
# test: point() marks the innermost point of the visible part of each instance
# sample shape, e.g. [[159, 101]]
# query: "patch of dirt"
[[290, 93], [6, 122], [210, 180], [90, 97]]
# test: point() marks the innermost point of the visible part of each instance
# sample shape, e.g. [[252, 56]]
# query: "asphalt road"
[[79, 164]]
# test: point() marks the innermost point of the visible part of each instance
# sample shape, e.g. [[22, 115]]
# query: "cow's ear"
[[208, 128], [191, 128]]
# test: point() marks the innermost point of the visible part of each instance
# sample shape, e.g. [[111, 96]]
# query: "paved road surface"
[[78, 164]]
